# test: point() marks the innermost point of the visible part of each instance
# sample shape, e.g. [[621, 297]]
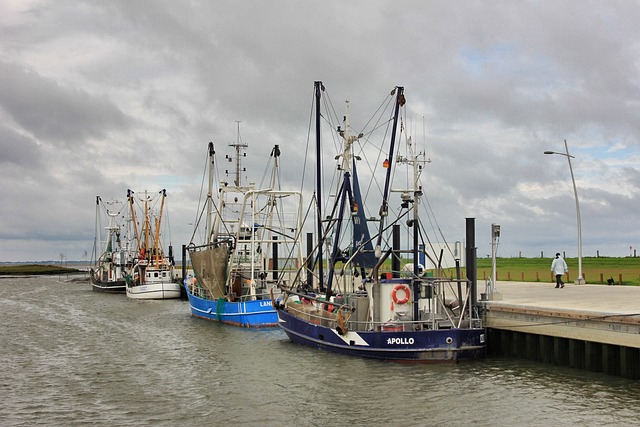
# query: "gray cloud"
[[54, 113], [98, 97]]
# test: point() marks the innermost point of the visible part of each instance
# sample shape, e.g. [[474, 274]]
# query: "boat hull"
[[113, 287], [154, 291], [450, 345], [118, 287], [251, 314]]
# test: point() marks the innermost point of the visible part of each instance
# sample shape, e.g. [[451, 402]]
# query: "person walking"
[[559, 267]]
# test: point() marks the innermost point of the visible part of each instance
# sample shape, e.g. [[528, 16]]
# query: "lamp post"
[[579, 280]]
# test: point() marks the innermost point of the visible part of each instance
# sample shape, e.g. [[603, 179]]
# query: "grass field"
[[624, 271]]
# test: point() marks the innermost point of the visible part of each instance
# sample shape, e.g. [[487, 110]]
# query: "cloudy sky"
[[100, 97]]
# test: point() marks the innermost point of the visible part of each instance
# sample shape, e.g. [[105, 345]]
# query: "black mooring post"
[[416, 271], [183, 289], [395, 256], [310, 260], [184, 263], [471, 259], [275, 258]]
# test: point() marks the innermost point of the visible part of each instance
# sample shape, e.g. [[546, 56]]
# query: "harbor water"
[[71, 356]]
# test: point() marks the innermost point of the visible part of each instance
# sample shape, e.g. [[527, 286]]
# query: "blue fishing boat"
[[251, 247], [361, 301]]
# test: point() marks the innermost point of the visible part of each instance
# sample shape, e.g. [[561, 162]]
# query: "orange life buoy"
[[407, 293]]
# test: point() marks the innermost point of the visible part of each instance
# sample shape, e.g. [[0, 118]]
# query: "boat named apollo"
[[361, 301]]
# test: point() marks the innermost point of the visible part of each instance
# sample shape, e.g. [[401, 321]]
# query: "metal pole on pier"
[[580, 279]]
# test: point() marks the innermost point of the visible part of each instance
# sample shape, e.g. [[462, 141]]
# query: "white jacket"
[[558, 266]]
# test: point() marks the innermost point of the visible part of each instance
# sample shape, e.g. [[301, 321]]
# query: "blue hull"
[[251, 314], [449, 345]]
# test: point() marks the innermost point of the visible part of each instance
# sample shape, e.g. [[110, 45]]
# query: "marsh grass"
[[34, 269]]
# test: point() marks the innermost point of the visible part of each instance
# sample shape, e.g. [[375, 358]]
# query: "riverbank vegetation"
[[34, 270]]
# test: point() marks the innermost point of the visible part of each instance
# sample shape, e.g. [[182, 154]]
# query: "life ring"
[[407, 294]]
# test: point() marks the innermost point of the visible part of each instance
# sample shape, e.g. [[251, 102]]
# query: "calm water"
[[71, 356]]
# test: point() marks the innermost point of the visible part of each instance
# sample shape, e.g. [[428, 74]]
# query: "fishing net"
[[210, 267]]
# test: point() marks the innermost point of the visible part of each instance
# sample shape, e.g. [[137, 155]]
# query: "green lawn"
[[625, 271]]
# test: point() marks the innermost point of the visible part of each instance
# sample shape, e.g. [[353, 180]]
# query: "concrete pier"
[[594, 327]]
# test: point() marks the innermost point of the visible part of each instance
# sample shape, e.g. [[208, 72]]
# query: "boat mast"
[[273, 200], [267, 231], [318, 88], [347, 153], [237, 187], [156, 239], [133, 218], [415, 223], [417, 192], [412, 158], [344, 192], [209, 231], [275, 153], [384, 208], [146, 227], [238, 146], [95, 239]]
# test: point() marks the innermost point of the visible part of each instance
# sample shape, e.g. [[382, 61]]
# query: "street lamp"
[[579, 280]]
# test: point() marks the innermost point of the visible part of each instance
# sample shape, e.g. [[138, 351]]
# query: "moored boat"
[[251, 245], [116, 259], [152, 275], [361, 301]]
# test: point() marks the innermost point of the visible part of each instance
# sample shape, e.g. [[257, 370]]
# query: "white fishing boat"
[[152, 275]]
